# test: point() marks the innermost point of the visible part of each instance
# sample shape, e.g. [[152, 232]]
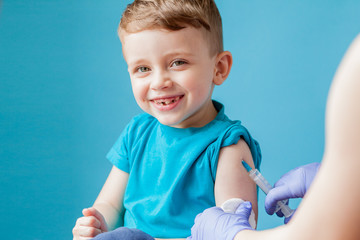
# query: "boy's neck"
[[200, 119]]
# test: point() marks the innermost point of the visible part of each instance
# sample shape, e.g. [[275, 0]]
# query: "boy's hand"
[[90, 225]]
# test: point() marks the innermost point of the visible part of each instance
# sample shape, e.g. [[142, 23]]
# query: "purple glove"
[[215, 224], [124, 233], [293, 184]]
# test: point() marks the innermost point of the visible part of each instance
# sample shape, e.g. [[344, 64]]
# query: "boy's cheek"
[[140, 92]]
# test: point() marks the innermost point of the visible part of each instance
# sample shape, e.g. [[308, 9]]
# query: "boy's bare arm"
[[107, 211], [110, 200], [232, 180]]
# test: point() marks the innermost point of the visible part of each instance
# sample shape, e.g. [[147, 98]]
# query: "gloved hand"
[[215, 224], [293, 184], [124, 233]]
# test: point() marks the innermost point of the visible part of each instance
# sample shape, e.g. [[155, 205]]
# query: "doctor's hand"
[[293, 184], [215, 224], [90, 225]]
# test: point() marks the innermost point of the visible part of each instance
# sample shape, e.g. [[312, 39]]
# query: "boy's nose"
[[161, 81]]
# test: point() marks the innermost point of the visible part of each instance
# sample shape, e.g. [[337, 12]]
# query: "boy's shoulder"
[[142, 121], [142, 117]]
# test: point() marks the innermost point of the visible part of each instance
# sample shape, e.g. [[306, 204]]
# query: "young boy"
[[184, 154]]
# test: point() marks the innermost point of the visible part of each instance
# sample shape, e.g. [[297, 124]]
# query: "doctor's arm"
[[330, 209]]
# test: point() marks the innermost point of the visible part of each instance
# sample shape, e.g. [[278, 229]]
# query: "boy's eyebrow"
[[136, 61], [182, 53]]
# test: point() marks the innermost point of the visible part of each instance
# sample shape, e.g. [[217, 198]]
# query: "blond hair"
[[175, 15]]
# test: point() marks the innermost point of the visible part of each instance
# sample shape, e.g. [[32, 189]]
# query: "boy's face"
[[172, 75]]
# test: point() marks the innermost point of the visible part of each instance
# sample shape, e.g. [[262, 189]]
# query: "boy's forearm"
[[112, 216]]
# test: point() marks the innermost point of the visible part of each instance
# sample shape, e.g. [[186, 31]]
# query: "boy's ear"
[[222, 67]]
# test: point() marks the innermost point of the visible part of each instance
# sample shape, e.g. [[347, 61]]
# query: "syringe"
[[265, 187]]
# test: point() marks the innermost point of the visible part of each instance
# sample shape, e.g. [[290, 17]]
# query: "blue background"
[[65, 96]]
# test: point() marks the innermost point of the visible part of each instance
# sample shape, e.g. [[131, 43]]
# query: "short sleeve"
[[231, 136], [118, 154]]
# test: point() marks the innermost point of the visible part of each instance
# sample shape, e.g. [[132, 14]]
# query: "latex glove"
[[90, 225], [124, 233], [215, 224], [293, 184]]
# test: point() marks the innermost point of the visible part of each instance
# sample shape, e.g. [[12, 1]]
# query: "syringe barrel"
[[285, 209], [264, 185]]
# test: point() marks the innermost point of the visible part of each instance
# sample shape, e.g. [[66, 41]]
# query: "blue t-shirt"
[[172, 171]]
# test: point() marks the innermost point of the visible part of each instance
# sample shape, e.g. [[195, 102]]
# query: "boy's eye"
[[142, 69], [178, 63]]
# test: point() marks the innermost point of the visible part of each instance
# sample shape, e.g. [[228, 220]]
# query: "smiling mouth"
[[166, 101]]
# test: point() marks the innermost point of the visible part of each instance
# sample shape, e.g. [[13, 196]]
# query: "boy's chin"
[[170, 123], [175, 120], [167, 121]]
